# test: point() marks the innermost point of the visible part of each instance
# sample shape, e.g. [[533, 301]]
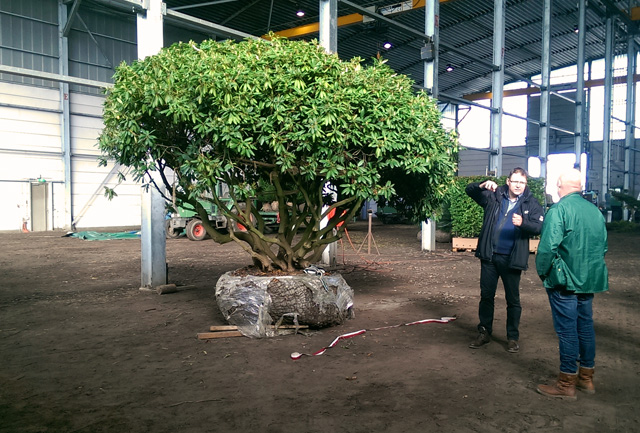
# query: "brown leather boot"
[[565, 387], [585, 380]]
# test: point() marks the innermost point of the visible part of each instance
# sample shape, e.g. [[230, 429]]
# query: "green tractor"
[[186, 220]]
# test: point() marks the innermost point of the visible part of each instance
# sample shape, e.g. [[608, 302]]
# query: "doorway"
[[39, 206]]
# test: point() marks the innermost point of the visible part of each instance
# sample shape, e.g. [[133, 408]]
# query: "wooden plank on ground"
[[218, 334], [234, 328]]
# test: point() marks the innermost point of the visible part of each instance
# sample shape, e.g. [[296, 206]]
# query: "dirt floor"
[[82, 349]]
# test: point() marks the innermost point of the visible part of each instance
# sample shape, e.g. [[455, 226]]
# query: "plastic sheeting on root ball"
[[253, 303]]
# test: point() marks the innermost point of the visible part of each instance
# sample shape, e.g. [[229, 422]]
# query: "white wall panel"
[[16, 208], [86, 104], [472, 162], [57, 210], [84, 135], [24, 167], [29, 96], [91, 208], [85, 126]]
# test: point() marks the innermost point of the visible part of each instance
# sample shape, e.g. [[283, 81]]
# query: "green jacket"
[[572, 247]]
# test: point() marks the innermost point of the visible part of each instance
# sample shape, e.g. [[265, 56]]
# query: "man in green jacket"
[[570, 262]]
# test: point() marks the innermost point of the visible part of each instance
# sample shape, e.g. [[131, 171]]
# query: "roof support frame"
[[69, 19], [414, 32]]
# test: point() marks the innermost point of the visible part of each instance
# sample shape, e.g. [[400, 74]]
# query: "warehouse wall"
[[31, 154], [32, 160], [474, 162]]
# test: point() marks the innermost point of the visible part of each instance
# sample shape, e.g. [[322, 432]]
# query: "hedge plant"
[[466, 215]]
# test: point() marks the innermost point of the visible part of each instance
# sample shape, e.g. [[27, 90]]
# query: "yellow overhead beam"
[[315, 27], [535, 90], [344, 20]]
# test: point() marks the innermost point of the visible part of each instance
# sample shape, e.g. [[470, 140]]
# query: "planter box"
[[471, 244], [533, 245], [464, 244]]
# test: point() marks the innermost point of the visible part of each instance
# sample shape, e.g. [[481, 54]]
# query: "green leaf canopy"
[[279, 117]]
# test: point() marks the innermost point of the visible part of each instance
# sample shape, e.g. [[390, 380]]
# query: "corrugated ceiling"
[[466, 25]]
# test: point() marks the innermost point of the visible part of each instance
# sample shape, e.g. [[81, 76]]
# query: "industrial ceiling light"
[[450, 68], [387, 45], [300, 13], [576, 29]]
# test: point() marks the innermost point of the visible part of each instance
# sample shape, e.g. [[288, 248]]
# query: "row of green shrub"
[[462, 216]]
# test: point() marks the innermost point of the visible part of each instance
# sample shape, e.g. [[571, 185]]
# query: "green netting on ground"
[[101, 236]]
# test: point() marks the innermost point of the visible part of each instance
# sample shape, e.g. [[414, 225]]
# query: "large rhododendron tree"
[[280, 118]]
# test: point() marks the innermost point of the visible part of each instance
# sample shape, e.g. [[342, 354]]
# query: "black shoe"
[[483, 338], [513, 346]]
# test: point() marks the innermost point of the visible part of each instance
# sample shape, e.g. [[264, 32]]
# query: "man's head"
[[569, 181], [517, 181]]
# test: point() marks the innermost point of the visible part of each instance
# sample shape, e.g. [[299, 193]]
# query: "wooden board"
[[219, 334], [235, 328]]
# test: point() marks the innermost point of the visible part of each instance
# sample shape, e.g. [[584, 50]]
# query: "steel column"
[[431, 63], [545, 70], [63, 69], [629, 137], [579, 126], [497, 76], [329, 25], [153, 240], [608, 91]]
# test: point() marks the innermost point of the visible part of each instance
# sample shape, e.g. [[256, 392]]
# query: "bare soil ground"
[[82, 349]]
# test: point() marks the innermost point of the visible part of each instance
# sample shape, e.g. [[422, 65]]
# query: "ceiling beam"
[[345, 20], [535, 90], [53, 77], [187, 21]]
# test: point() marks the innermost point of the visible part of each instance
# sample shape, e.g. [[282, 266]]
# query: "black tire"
[[195, 230], [171, 233]]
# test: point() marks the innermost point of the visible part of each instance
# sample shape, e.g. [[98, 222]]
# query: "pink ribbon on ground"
[[296, 355]]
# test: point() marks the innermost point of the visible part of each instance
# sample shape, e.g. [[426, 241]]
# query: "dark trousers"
[[490, 271]]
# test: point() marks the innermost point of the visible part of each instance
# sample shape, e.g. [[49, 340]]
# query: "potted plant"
[[279, 118]]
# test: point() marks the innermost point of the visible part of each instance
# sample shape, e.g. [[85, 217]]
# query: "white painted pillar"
[[428, 235], [329, 40], [153, 254]]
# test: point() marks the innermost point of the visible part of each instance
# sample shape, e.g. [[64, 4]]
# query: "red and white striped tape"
[[297, 355]]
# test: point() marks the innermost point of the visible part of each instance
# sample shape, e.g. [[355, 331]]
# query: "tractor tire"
[[195, 230], [171, 232], [239, 227]]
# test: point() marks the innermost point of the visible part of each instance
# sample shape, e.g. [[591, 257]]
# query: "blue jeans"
[[490, 272], [573, 321]]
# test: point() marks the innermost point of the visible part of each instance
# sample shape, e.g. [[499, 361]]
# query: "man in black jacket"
[[511, 216]]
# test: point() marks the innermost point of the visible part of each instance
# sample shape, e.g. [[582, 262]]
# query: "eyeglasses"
[[517, 182]]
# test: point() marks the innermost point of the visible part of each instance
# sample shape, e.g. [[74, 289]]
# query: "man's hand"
[[517, 220], [489, 185]]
